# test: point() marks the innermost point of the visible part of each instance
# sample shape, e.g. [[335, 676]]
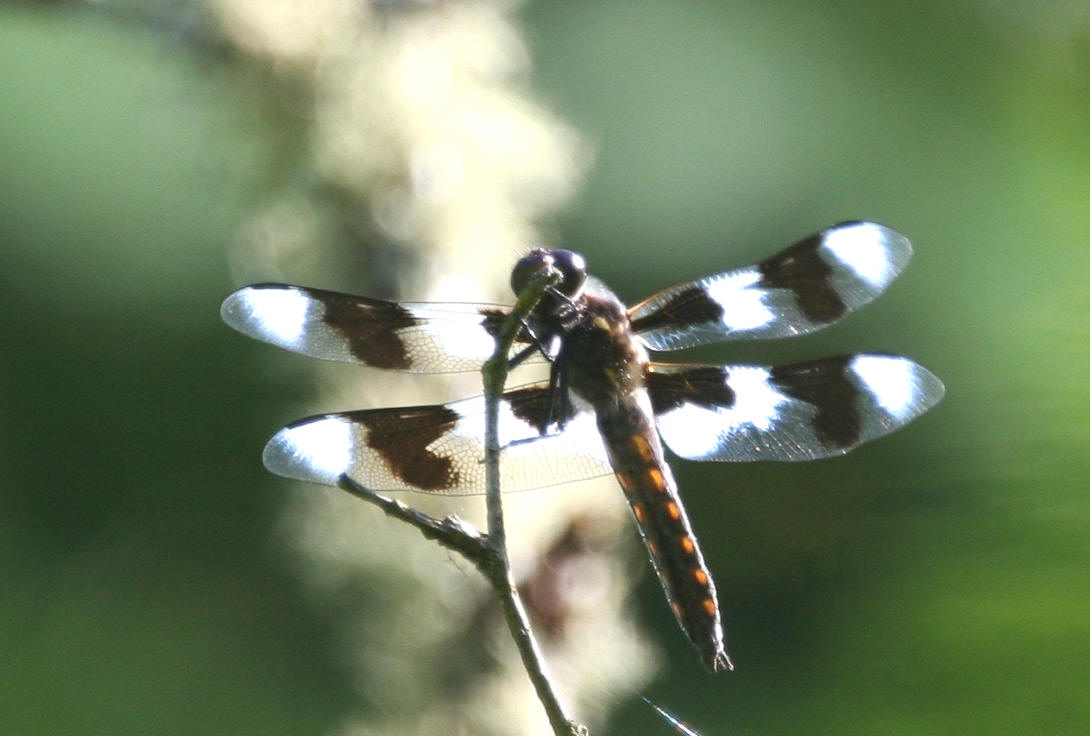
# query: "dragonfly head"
[[573, 275]]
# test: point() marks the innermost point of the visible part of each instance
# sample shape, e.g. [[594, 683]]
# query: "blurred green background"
[[936, 582]]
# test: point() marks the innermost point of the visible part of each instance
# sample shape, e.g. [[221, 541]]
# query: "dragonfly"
[[606, 407]]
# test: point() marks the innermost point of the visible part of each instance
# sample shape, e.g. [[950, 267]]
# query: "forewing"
[[419, 337], [804, 288], [801, 411], [440, 448]]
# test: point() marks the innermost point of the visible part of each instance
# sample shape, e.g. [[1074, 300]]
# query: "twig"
[[489, 552], [495, 376], [676, 723], [450, 532]]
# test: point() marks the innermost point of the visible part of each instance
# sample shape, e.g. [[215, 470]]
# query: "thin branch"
[[489, 552], [494, 373], [450, 531]]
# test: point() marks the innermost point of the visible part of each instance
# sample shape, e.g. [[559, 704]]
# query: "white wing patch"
[[276, 316], [873, 252], [896, 384], [458, 341], [318, 451], [743, 304], [696, 431]]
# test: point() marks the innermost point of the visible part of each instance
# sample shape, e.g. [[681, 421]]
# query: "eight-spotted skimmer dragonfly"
[[607, 408]]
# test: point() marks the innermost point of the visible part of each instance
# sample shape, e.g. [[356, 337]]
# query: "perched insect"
[[606, 407]]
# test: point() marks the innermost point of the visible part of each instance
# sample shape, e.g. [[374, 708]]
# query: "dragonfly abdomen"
[[652, 494]]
